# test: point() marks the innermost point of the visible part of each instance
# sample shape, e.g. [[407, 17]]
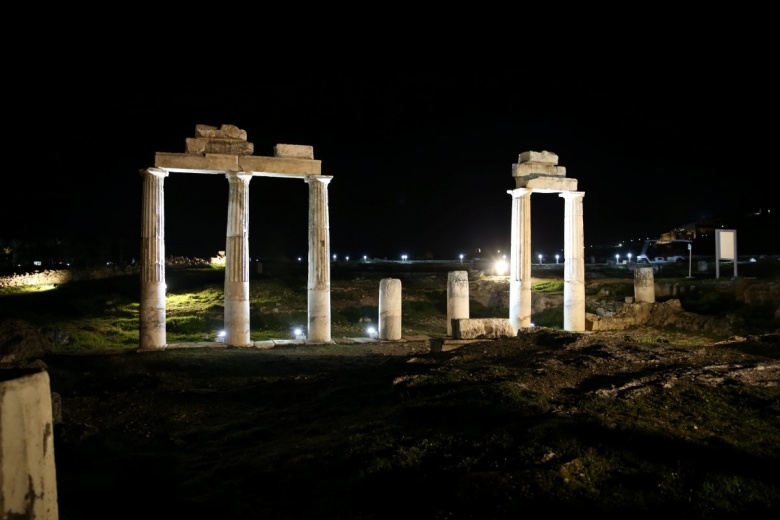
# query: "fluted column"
[[520, 260], [152, 312], [573, 263], [237, 261], [319, 260]]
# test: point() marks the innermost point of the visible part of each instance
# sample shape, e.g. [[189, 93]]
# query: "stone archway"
[[226, 151], [539, 172]]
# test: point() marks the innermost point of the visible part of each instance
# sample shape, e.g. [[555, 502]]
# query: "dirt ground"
[[221, 432], [252, 433]]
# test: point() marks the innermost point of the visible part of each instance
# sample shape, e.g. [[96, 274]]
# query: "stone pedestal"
[[28, 479]]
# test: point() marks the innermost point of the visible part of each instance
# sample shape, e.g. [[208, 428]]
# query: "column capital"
[[157, 172], [234, 176], [323, 179], [519, 192], [571, 194]]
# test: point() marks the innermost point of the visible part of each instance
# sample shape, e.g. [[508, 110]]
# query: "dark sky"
[[421, 161]]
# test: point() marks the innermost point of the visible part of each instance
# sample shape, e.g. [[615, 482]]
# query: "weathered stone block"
[[488, 328], [536, 169], [297, 151], [202, 146], [224, 132], [539, 157], [542, 183]]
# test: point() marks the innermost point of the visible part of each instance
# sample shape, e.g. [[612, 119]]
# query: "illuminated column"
[[520, 260], [319, 260], [574, 262], [237, 261], [457, 297], [152, 312], [390, 309]]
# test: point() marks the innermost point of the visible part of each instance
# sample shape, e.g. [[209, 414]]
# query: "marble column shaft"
[[237, 261], [390, 309], [319, 261], [457, 297], [574, 262], [152, 308], [520, 260]]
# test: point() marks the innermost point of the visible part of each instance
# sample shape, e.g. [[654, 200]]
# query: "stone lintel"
[[294, 151], [256, 165], [224, 132], [521, 169], [543, 183], [283, 166], [203, 145], [184, 162], [544, 157]]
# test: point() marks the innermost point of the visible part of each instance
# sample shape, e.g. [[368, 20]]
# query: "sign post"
[[690, 259], [725, 248]]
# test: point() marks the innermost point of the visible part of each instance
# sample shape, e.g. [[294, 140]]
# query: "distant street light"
[[556, 258], [629, 258], [403, 258], [540, 259], [617, 258], [347, 258], [461, 259], [334, 258]]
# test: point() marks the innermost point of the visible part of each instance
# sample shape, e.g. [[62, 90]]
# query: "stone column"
[[28, 476], [152, 310], [520, 260], [457, 297], [319, 260], [573, 262], [644, 285], [237, 261], [390, 309]]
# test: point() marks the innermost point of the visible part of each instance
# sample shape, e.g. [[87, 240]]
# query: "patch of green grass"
[[548, 286]]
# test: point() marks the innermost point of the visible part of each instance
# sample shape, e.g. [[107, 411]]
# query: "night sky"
[[421, 162]]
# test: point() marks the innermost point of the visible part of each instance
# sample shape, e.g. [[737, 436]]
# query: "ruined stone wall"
[[60, 276]]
